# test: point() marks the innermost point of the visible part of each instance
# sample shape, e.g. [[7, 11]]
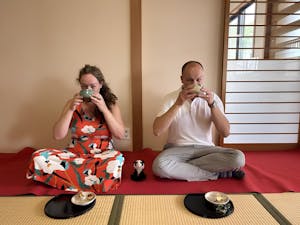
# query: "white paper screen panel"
[[262, 86], [263, 76], [263, 108], [264, 118], [262, 97], [282, 65], [262, 72], [261, 138], [262, 101], [264, 128]]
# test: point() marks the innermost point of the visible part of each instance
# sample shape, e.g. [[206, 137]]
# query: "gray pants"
[[197, 162]]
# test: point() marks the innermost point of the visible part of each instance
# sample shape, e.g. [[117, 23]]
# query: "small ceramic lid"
[[83, 198], [216, 198]]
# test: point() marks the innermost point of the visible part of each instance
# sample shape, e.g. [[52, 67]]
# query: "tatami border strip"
[[116, 211], [271, 209]]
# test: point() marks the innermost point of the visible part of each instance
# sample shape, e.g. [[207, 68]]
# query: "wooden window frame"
[[259, 146]]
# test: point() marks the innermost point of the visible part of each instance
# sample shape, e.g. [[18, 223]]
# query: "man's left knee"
[[239, 159]]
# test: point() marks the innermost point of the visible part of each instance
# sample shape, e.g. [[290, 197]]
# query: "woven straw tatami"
[[150, 210], [30, 210], [170, 210], [288, 204]]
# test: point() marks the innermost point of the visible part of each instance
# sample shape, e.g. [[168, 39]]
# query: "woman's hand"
[[61, 127], [112, 116], [74, 102], [98, 100]]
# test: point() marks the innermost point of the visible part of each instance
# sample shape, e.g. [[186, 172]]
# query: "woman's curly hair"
[[109, 97]]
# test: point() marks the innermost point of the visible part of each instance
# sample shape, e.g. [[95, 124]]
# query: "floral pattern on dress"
[[89, 163]]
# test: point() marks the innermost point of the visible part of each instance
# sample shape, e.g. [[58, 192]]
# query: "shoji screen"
[[261, 85]]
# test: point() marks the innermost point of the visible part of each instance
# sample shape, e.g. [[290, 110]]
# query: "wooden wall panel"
[[136, 74]]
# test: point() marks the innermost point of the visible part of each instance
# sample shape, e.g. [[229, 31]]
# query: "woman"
[[90, 163]]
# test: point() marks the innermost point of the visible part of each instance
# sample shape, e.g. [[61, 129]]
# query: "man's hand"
[[186, 93], [207, 95]]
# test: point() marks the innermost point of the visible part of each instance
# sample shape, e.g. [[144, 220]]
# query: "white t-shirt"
[[192, 124]]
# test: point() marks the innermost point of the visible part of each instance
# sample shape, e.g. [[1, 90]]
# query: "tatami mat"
[[170, 210], [154, 210], [288, 204], [30, 210]]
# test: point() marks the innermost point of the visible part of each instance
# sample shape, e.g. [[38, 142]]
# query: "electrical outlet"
[[127, 134]]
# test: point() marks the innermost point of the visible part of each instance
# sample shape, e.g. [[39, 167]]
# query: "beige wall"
[[44, 43], [173, 32]]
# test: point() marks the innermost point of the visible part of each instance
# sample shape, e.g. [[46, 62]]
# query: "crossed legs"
[[197, 163]]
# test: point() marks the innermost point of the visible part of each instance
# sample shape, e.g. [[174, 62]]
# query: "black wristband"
[[212, 105]]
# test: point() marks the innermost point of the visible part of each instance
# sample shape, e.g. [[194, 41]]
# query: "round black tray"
[[61, 207], [196, 204]]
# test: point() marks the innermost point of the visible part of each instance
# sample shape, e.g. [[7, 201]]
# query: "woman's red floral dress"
[[90, 163]]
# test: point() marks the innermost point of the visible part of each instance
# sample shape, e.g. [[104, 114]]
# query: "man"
[[188, 116]]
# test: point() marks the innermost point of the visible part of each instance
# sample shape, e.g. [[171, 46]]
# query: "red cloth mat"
[[266, 172]]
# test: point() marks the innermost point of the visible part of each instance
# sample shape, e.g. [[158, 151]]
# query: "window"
[[241, 32], [261, 88]]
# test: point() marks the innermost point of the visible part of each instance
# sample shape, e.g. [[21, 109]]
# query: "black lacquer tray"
[[196, 204], [61, 207]]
